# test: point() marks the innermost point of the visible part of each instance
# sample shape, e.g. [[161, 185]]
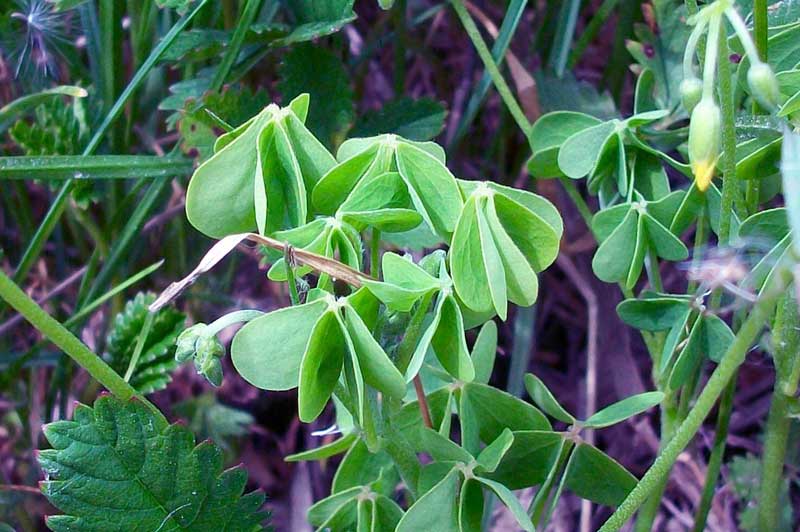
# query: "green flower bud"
[[210, 368], [705, 132], [763, 85], [187, 340], [209, 347], [691, 92], [386, 4]]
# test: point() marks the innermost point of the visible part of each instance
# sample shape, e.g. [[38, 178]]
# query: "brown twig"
[[423, 402]]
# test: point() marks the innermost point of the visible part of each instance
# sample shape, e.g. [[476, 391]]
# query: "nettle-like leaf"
[[419, 120], [311, 345], [628, 231], [404, 285], [259, 175], [503, 238], [432, 188], [157, 359], [311, 69], [117, 466], [693, 332]]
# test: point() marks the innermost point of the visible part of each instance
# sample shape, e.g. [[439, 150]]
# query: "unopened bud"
[[704, 141], [691, 93], [187, 341], [763, 85]]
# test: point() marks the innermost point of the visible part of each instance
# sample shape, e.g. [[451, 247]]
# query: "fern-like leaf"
[[157, 361], [119, 467]]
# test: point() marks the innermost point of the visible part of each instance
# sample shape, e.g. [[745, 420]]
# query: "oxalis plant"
[[381, 339], [398, 273]]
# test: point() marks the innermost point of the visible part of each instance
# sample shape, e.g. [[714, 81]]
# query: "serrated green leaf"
[[157, 359], [117, 466]]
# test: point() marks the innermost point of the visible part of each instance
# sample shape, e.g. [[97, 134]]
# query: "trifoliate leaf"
[[119, 467], [157, 360]]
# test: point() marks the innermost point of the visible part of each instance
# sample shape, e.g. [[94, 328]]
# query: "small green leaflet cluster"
[[157, 360], [692, 332], [120, 467]]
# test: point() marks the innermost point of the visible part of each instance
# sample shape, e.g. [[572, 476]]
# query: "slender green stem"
[[413, 332], [65, 340], [775, 444], [719, 379], [760, 27], [730, 186], [141, 340], [653, 271], [491, 67], [717, 453], [234, 47], [577, 199]]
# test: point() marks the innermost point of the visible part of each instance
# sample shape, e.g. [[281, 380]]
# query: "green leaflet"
[[696, 202], [137, 472], [259, 175], [548, 134], [545, 399], [637, 227], [436, 510], [593, 475], [484, 352], [309, 345], [380, 201], [502, 239], [432, 189], [495, 411], [267, 352], [624, 409]]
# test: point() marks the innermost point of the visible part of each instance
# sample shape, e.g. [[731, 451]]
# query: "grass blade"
[[64, 167]]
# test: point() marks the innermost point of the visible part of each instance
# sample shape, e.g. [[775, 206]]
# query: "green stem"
[[760, 28], [717, 453], [413, 332], [730, 186], [719, 379], [777, 437], [577, 199], [288, 260], [491, 67], [375, 254], [653, 271], [65, 340], [140, 342], [232, 51]]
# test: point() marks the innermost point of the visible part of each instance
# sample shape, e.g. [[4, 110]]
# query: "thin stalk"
[[730, 186], [234, 47], [760, 28], [577, 199], [775, 444], [719, 379], [653, 271], [375, 253], [65, 340], [491, 67], [140, 342], [717, 453]]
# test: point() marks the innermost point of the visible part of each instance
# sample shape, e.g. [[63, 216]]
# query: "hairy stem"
[[65, 340], [775, 443], [719, 379]]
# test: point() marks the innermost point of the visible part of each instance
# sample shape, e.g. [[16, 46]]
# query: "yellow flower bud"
[[704, 141]]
